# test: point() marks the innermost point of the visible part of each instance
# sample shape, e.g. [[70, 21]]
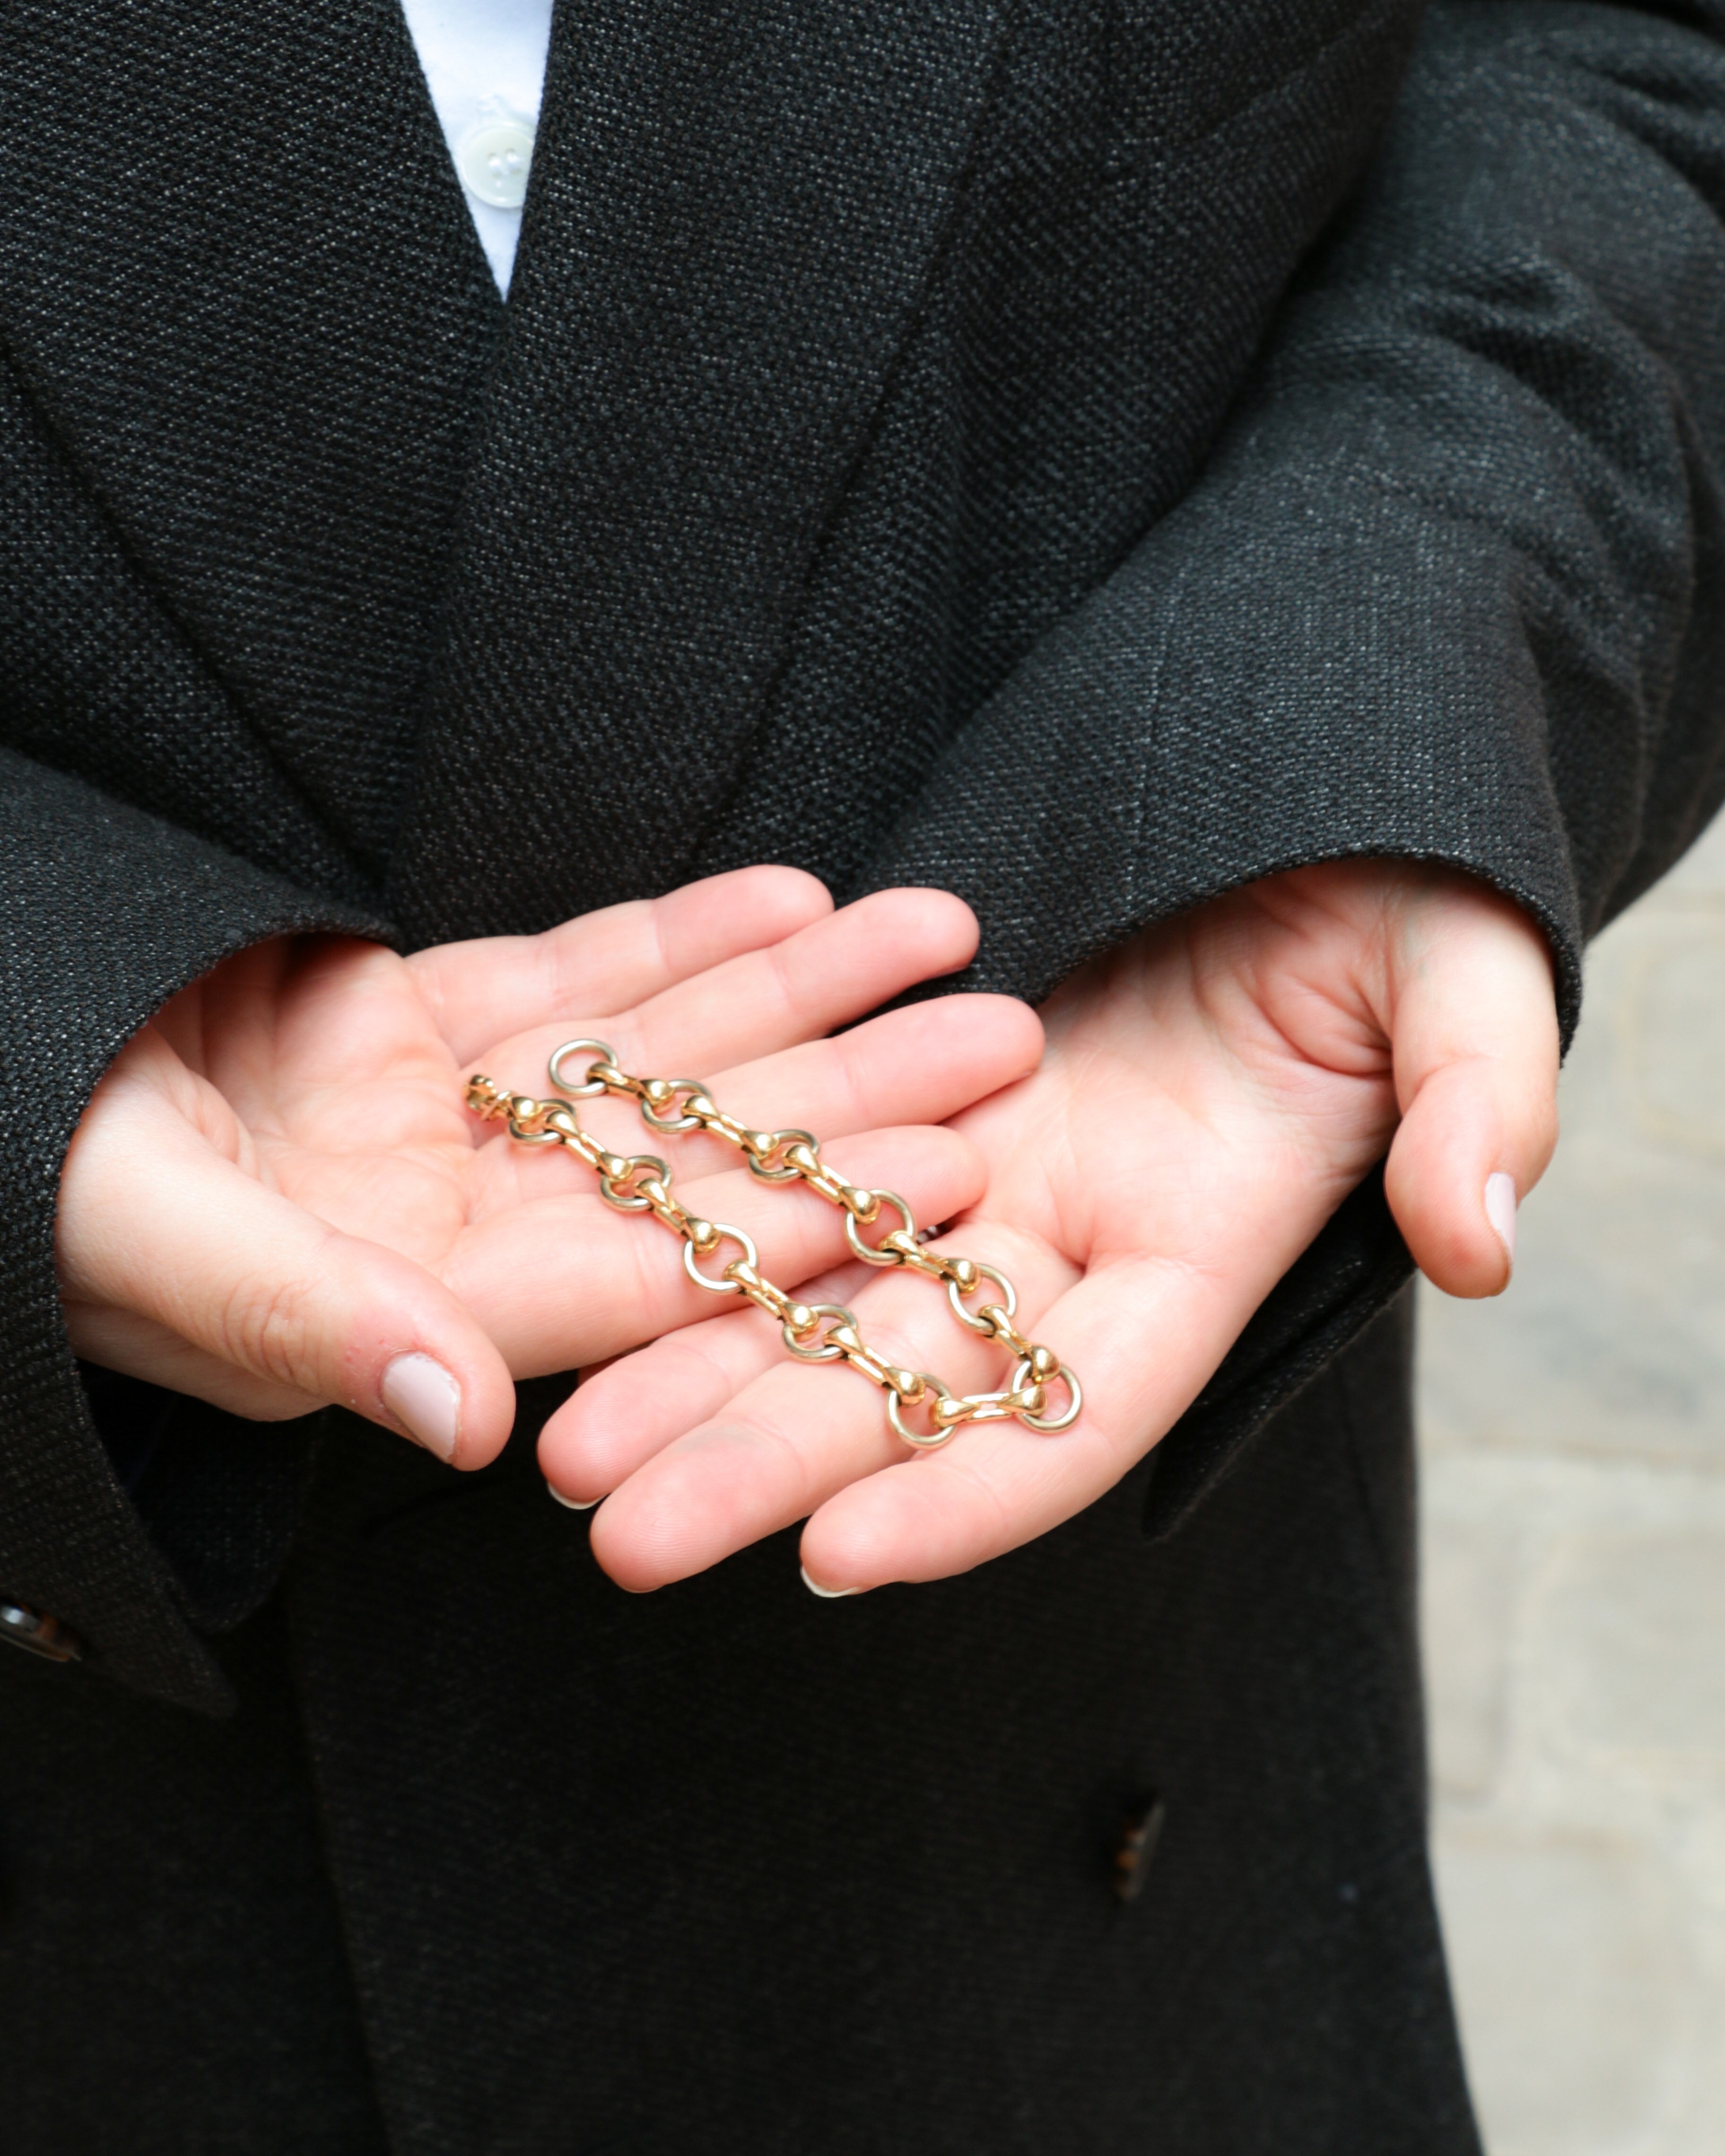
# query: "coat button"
[[38, 1635], [1140, 1831], [492, 162]]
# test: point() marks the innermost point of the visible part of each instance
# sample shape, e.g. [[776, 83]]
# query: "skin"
[[276, 1192], [1209, 1096]]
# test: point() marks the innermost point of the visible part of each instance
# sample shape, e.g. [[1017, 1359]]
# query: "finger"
[[484, 990], [795, 1434], [921, 1065], [625, 1411], [1474, 1034], [115, 1339], [998, 1486], [560, 1282], [154, 1222], [635, 1407], [825, 976], [295, 1032], [781, 1448], [1475, 1038]]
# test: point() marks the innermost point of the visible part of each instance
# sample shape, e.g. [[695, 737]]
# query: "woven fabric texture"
[[1085, 456]]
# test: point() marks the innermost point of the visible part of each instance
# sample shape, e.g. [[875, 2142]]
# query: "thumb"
[[163, 1241], [1474, 1030]]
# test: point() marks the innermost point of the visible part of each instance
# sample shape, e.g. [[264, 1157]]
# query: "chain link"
[[817, 1332]]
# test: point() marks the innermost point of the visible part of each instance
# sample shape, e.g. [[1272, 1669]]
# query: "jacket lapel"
[[238, 277], [730, 220]]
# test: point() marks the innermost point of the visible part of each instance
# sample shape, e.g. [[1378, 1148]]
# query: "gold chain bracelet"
[[815, 1331]]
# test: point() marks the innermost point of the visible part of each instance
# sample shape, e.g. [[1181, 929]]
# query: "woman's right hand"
[[276, 1199]]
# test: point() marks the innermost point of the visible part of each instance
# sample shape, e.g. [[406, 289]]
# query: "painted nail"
[[574, 1504], [826, 1593], [422, 1394], [1501, 1211]]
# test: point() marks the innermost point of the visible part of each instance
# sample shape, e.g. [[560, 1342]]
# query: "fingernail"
[[826, 1593], [423, 1395], [1501, 1211], [574, 1504]]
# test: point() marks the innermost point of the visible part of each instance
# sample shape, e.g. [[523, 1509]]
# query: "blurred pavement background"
[[1573, 1449]]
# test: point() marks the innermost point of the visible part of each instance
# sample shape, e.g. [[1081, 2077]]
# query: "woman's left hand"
[[1210, 1094]]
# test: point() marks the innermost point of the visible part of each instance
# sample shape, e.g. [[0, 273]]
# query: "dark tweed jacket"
[[924, 443]]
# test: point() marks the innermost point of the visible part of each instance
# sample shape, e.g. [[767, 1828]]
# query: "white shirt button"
[[493, 161]]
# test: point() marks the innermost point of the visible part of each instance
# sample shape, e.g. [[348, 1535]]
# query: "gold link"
[[527, 1120], [659, 1095], [718, 1122], [733, 1280], [765, 1296], [974, 1277], [857, 1351], [623, 1182], [804, 1160], [665, 1209], [913, 1256], [817, 1332], [598, 1057], [766, 1152], [796, 1330], [887, 1254], [991, 1407], [923, 1441], [1006, 1332], [1046, 1425], [586, 1146]]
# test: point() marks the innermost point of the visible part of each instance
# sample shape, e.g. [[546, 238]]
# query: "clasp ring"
[[722, 1285], [667, 1090], [590, 1088], [981, 1324], [782, 1141], [940, 1435], [1050, 1426], [620, 1191], [860, 1248], [827, 1350]]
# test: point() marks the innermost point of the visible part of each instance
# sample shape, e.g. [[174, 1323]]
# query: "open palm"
[[1209, 1096], [276, 1198]]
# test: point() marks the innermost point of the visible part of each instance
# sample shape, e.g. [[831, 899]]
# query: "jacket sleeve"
[[1452, 588], [177, 1523], [106, 911]]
